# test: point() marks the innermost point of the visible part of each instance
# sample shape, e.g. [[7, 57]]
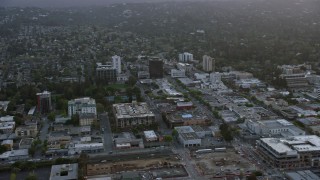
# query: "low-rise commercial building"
[[26, 131], [78, 148], [187, 118], [184, 105], [176, 73], [127, 140], [64, 172], [133, 114], [188, 137], [25, 143], [291, 152], [271, 128], [150, 135], [302, 175], [7, 127], [13, 155], [8, 143]]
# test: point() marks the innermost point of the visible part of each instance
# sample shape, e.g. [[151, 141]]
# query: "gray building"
[[64, 172], [272, 128], [188, 137]]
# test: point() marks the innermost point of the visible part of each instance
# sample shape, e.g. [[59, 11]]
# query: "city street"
[[106, 132], [184, 154]]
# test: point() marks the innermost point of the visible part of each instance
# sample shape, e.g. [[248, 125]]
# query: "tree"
[[3, 149], [52, 116], [174, 133], [168, 138], [13, 176], [32, 150], [31, 176], [132, 81], [18, 120], [226, 132]]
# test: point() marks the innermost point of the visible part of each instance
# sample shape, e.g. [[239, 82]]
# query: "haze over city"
[[160, 89]]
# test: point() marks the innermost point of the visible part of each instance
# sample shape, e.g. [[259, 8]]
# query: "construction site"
[[140, 167], [222, 164]]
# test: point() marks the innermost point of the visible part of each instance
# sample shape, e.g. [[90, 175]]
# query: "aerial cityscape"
[[152, 90]]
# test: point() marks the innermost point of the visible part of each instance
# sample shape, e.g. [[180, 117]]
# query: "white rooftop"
[[150, 134], [294, 144]]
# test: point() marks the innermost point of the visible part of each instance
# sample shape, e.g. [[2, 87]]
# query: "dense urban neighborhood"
[[165, 90]]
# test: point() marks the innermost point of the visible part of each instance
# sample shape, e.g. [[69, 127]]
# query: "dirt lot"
[[221, 163], [139, 164]]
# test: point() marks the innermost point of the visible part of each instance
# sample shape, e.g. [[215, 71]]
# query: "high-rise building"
[[82, 106], [44, 102], [116, 63], [208, 63], [106, 73], [185, 57], [155, 68]]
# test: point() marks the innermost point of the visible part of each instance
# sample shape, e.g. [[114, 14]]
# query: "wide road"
[[106, 133]]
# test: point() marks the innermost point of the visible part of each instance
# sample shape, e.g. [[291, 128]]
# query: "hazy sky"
[[68, 3]]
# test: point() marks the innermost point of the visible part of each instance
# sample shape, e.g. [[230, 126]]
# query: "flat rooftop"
[[189, 136], [181, 116], [64, 172], [293, 144], [127, 110]]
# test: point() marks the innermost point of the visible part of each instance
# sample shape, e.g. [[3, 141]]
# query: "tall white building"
[[208, 63], [185, 57], [116, 63], [81, 106]]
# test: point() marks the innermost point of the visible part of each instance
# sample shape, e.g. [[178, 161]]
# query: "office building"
[[208, 63], [185, 57], [81, 106], [44, 102], [106, 73], [295, 75], [116, 63], [155, 68], [132, 114], [291, 152]]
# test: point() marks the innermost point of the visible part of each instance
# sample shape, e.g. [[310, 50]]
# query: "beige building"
[[133, 114], [27, 131], [87, 119]]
